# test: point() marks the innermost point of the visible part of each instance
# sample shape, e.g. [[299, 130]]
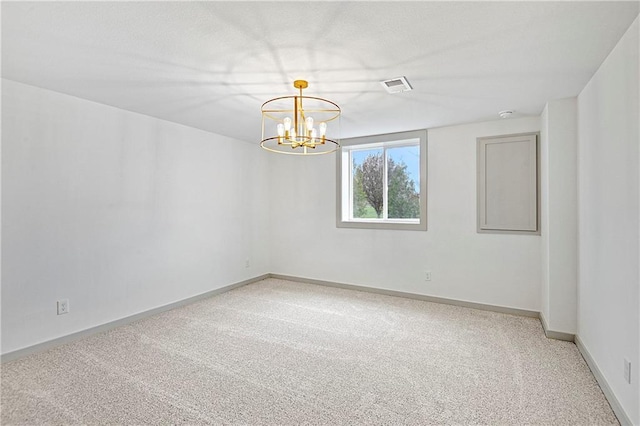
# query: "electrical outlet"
[[63, 306], [247, 263], [427, 276], [627, 371]]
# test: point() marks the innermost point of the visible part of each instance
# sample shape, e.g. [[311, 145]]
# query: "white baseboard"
[[462, 303], [558, 335], [41, 347], [623, 418]]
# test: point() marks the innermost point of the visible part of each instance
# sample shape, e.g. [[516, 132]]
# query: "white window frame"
[[344, 201]]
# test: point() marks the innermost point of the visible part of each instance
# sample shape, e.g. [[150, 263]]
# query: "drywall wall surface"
[[608, 200], [117, 212], [544, 213], [560, 215], [497, 269]]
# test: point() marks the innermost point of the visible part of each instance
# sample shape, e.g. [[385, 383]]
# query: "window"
[[508, 184], [382, 182]]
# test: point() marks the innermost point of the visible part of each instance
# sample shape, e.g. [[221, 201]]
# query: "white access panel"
[[508, 184]]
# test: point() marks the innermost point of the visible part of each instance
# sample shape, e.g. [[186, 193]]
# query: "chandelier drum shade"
[[300, 125]]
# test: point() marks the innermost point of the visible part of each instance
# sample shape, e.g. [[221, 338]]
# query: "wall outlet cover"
[[63, 306], [627, 371]]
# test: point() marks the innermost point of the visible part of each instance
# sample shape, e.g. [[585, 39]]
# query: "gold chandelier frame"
[[294, 132]]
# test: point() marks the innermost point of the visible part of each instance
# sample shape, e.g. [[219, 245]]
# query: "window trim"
[[386, 139]]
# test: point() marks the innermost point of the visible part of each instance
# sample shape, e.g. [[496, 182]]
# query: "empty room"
[[320, 213]]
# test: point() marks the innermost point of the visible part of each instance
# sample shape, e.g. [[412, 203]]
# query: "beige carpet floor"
[[285, 353]]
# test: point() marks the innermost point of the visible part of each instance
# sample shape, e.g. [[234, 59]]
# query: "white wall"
[[544, 213], [118, 212], [558, 154], [485, 268], [608, 200]]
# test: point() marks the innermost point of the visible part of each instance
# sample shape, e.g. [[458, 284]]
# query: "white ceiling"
[[211, 65]]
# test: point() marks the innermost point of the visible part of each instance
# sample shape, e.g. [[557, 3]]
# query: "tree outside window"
[[382, 182]]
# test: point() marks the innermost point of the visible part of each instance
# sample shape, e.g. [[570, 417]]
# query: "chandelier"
[[300, 125]]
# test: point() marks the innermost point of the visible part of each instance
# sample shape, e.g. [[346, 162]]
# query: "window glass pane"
[[403, 177], [368, 183], [382, 182]]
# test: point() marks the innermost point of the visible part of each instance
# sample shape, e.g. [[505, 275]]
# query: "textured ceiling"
[[211, 65]]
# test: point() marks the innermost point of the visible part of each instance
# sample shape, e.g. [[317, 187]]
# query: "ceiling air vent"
[[396, 85]]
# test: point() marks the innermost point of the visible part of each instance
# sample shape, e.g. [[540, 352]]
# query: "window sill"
[[375, 224]]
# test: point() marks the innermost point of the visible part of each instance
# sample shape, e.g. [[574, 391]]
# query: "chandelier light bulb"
[[293, 135], [323, 128], [287, 124], [314, 135], [280, 129], [309, 123]]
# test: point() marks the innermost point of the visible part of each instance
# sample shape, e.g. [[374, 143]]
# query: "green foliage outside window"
[[368, 186]]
